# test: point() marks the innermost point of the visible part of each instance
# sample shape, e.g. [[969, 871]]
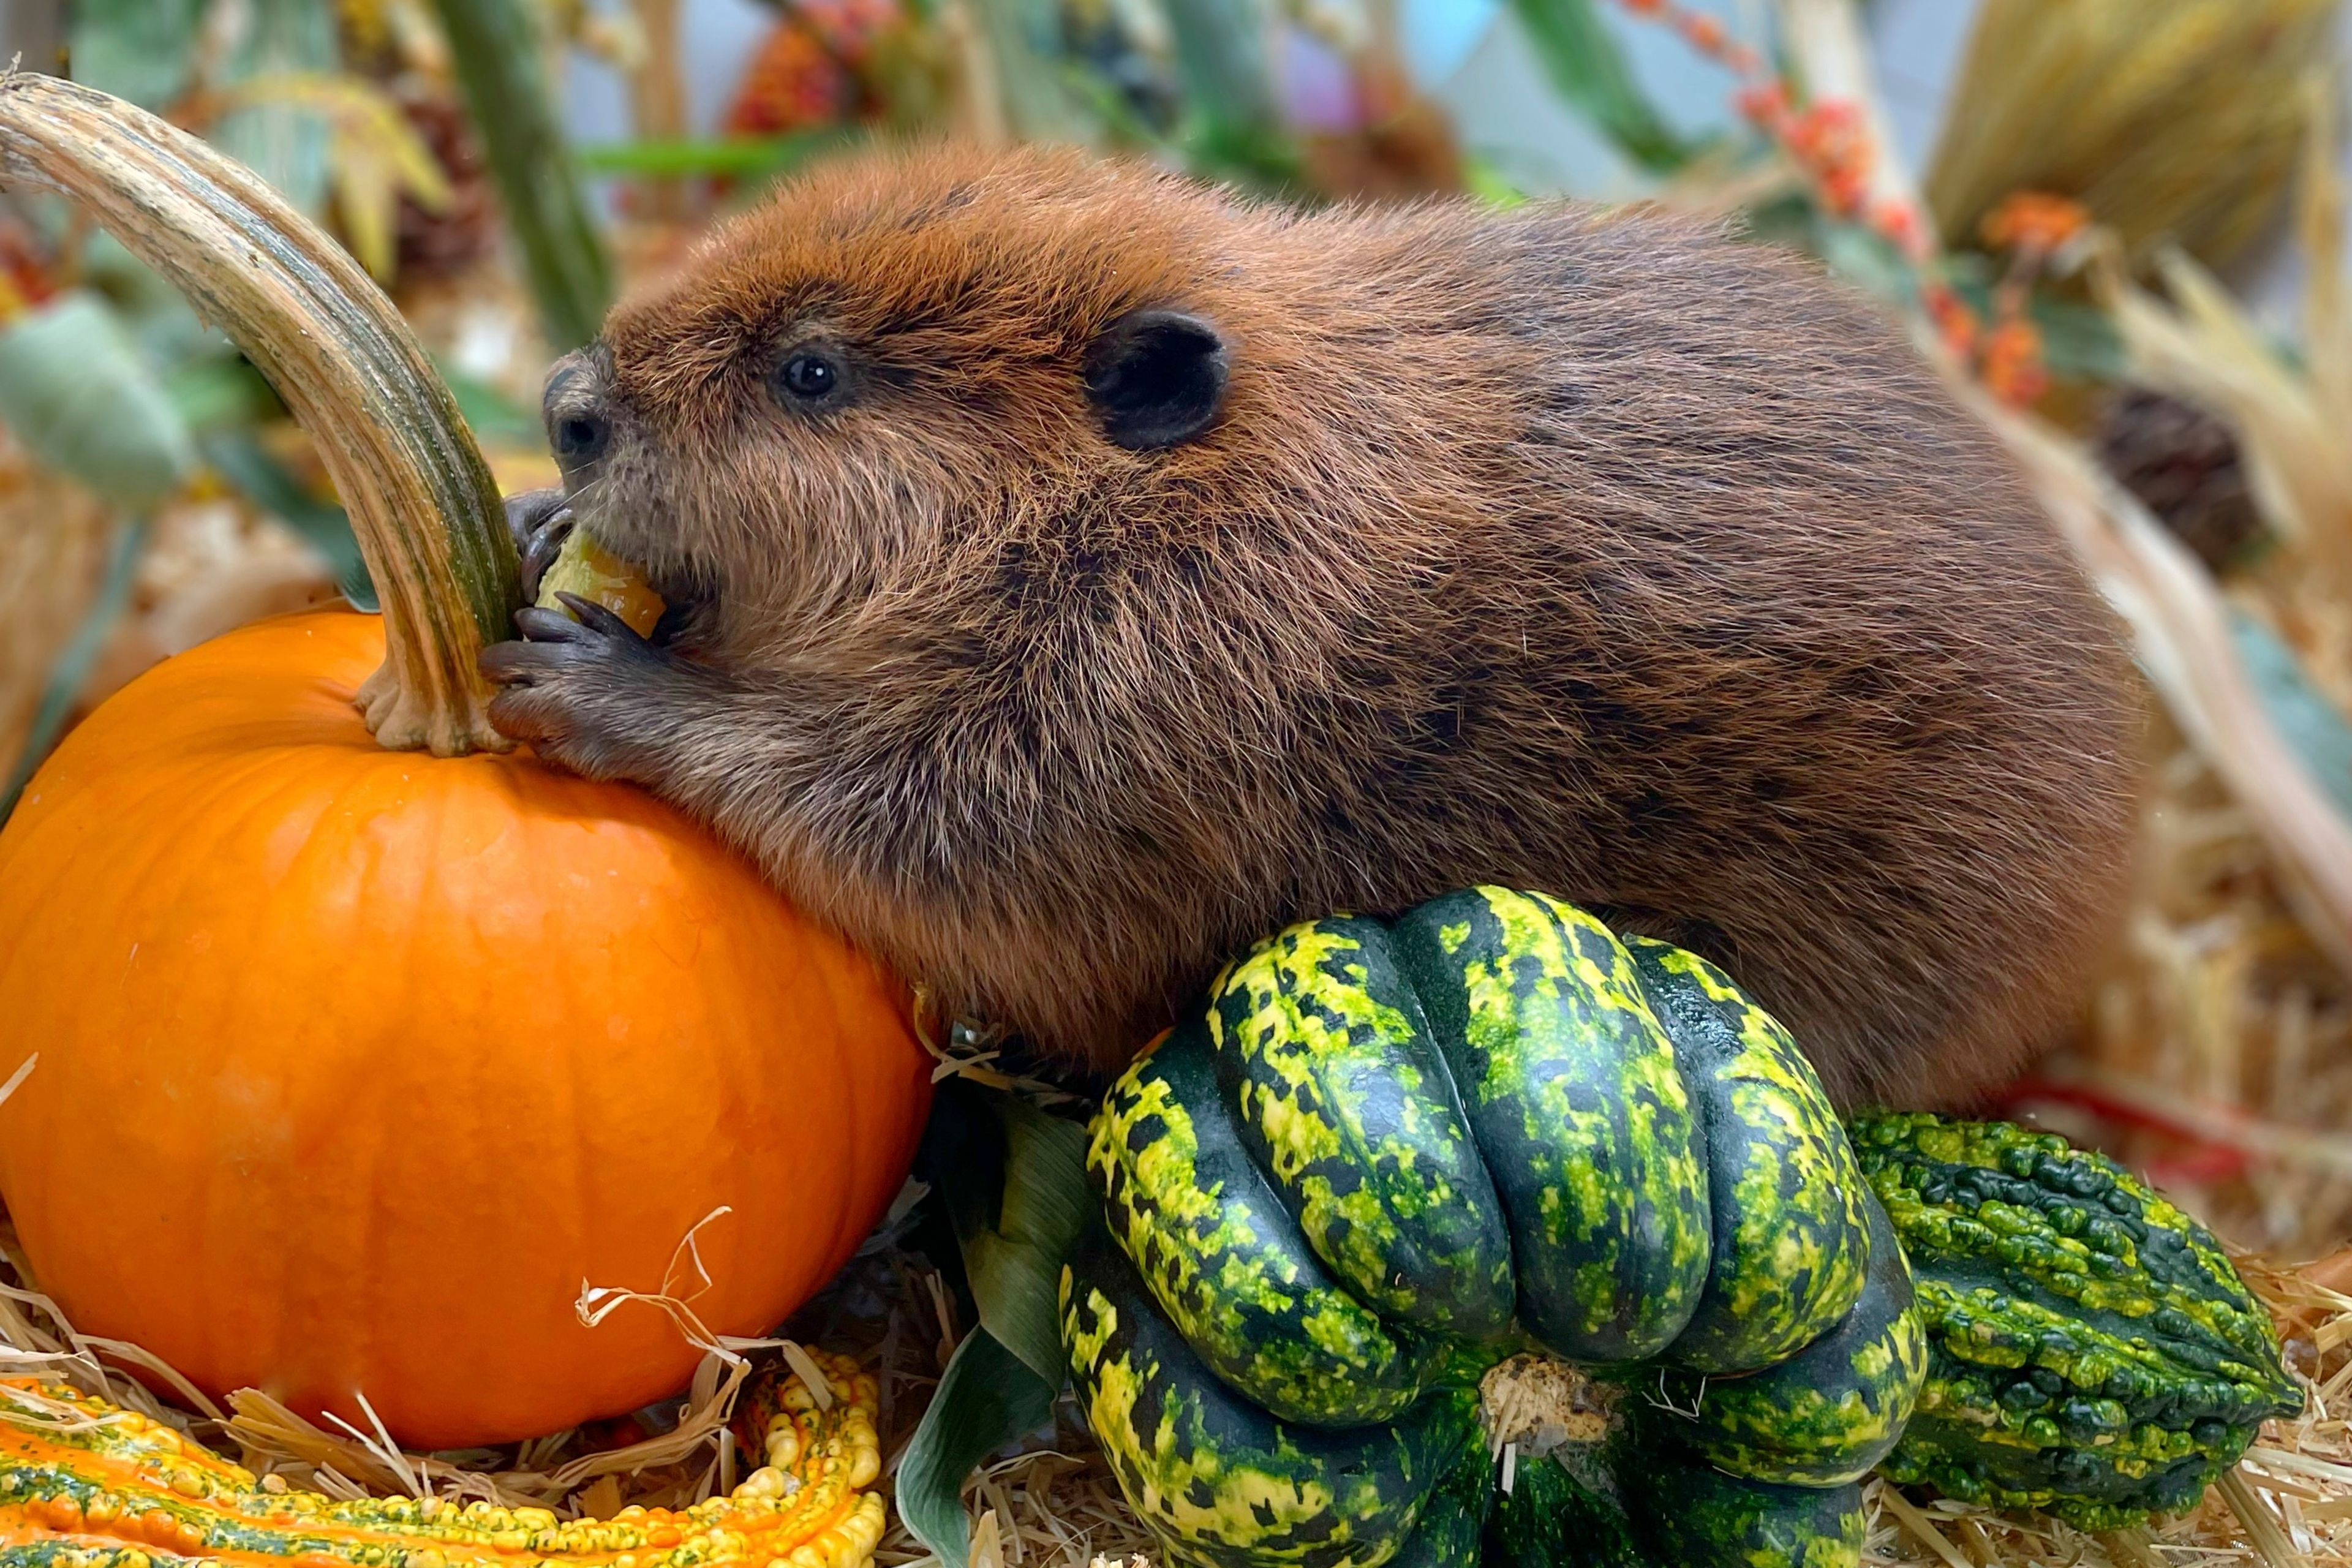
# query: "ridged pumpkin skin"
[[1227, 1484], [1234, 1273], [1376, 1160], [356, 1065], [1828, 1412], [1637, 1508], [1575, 1100]]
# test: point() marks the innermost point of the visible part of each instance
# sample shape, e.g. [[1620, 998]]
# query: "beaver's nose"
[[579, 422]]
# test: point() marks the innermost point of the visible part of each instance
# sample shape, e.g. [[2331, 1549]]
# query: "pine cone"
[[2184, 466], [443, 244]]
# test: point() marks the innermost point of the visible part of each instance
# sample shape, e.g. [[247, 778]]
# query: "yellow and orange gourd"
[[84, 1484]]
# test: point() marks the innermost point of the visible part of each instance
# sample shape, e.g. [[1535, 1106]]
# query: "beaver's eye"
[[809, 376]]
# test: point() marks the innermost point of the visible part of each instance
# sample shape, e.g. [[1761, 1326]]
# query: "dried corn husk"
[[53, 546], [2169, 118]]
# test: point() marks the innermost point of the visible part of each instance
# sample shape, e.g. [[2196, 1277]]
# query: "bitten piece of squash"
[[586, 568], [86, 1484]]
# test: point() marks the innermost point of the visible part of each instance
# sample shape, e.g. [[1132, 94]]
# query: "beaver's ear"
[[1156, 377]]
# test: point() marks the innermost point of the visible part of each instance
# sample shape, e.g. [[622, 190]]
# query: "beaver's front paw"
[[589, 693], [539, 522]]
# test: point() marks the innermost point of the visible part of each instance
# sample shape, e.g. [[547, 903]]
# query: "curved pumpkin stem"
[[420, 497]]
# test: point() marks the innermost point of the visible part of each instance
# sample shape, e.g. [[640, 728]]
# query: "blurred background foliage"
[[2117, 221]]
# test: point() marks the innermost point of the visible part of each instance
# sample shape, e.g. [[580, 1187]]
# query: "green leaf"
[[79, 395], [145, 51], [987, 1398], [285, 143], [732, 157], [1485, 180], [1586, 69], [74, 660], [1016, 1189], [219, 390], [2079, 340], [1015, 1268], [241, 460], [1223, 64], [2307, 721], [1866, 260], [156, 314], [494, 418]]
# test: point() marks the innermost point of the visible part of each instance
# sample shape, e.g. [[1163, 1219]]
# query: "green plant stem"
[[1574, 46], [497, 56]]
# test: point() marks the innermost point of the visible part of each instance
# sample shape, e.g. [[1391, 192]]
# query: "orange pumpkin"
[[356, 1067]]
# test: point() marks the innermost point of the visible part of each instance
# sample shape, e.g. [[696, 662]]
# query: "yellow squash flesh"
[[587, 569]]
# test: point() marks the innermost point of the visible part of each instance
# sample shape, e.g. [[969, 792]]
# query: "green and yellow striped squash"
[[1223, 1480], [1629, 1507], [1378, 1159], [2092, 1349], [1826, 1415]]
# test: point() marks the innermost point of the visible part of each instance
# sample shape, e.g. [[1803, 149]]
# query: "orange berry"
[[2033, 221], [2013, 370], [1703, 31], [1898, 220], [1956, 323]]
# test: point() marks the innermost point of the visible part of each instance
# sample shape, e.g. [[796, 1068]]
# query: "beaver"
[[1078, 572]]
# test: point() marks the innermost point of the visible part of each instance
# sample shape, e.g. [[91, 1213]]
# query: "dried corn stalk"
[[2172, 119], [2290, 418]]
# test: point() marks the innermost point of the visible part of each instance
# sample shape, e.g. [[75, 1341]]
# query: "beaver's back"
[[1656, 572]]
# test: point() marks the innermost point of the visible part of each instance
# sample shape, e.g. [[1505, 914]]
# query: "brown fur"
[[1592, 554]]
